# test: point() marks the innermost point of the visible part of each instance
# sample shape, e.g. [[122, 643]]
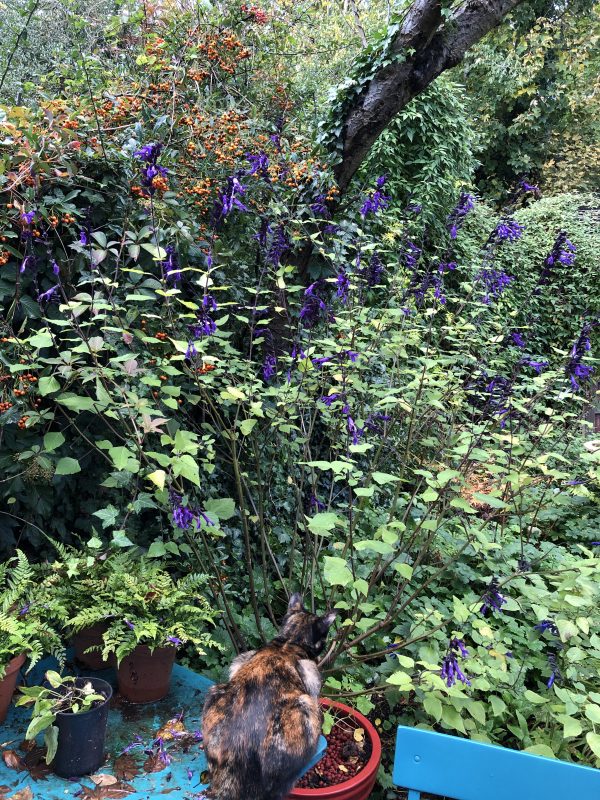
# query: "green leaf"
[[323, 523], [461, 503], [592, 712], [433, 706], [336, 572], [534, 697], [48, 385], [53, 440], [108, 515], [124, 459], [498, 705], [38, 724], [477, 710], [157, 253], [75, 402], [382, 478], [120, 539], [156, 549], [382, 548], [593, 740], [401, 679], [571, 727], [453, 719], [489, 500], [41, 340], [51, 740], [247, 426], [67, 466], [221, 508], [186, 467], [540, 750]]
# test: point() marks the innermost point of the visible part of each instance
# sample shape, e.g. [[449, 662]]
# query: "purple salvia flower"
[[517, 339], [45, 297], [493, 600], [328, 399], [191, 351], [129, 624], [28, 217], [55, 268], [259, 164], [576, 371], [269, 368], [451, 671], [343, 286], [466, 203], [28, 261], [538, 366], [507, 230], [279, 244], [174, 640]]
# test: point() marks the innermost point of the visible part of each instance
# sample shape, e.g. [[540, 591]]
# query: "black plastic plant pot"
[[81, 736]]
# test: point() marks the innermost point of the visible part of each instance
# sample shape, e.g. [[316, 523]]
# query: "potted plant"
[[349, 767], [72, 714], [24, 630], [148, 615]]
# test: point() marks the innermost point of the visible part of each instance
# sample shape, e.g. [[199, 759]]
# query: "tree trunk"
[[432, 45]]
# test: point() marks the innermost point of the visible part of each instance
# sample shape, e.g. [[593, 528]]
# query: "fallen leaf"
[[22, 794], [154, 763], [35, 763], [359, 734], [13, 760], [27, 745], [173, 729], [103, 779], [125, 767], [342, 768], [114, 792]]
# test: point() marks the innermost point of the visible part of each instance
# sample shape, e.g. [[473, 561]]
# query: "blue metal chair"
[[445, 765]]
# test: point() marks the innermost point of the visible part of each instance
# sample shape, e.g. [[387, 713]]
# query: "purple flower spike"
[[493, 600], [174, 640], [129, 624]]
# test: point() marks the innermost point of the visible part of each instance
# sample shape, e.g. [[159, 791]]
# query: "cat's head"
[[301, 627]]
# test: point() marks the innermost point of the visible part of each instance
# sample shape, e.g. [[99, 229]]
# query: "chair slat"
[[426, 761]]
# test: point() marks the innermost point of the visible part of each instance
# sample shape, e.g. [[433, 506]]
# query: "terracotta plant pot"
[[9, 683], [145, 676], [361, 785], [81, 737], [88, 637]]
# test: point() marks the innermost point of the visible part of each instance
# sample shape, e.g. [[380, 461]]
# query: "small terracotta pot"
[[361, 785], [89, 637], [145, 676], [9, 683]]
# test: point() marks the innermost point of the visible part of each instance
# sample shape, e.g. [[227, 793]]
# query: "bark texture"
[[433, 44]]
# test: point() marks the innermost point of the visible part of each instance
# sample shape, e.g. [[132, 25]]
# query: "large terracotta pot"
[[9, 683], [145, 676], [89, 637], [361, 785]]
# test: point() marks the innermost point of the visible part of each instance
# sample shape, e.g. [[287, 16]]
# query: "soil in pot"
[[144, 676], [348, 769], [9, 683], [81, 737], [90, 637]]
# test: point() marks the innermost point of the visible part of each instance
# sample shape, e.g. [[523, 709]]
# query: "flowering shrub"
[[218, 361]]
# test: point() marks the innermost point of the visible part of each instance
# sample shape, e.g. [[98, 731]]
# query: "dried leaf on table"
[[27, 745], [13, 760], [114, 792], [125, 767], [173, 729], [103, 779], [22, 794], [155, 763]]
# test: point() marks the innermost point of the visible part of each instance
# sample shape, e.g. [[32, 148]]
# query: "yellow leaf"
[[359, 734], [158, 478]]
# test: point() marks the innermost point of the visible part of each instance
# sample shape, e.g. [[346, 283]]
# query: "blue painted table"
[[129, 726]]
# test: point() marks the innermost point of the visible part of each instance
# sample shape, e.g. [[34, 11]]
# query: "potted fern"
[[77, 576], [24, 630], [72, 713], [148, 615]]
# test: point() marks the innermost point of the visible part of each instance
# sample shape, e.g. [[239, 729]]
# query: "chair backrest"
[[436, 763]]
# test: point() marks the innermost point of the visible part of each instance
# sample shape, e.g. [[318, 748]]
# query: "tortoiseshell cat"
[[262, 727]]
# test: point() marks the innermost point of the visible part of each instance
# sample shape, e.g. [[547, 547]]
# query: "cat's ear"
[[295, 603], [327, 620]]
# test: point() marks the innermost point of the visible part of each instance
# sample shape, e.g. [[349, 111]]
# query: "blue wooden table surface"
[[136, 727]]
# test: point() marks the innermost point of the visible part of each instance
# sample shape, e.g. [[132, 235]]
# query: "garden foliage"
[[389, 428]]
